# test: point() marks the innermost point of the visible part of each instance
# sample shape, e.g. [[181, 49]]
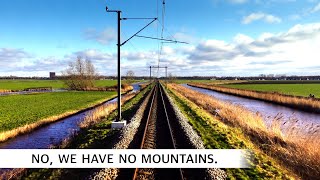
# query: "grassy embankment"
[[290, 89], [185, 81], [23, 113], [278, 82], [96, 135], [235, 127], [303, 103]]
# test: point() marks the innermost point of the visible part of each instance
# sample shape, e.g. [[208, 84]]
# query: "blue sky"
[[226, 37]]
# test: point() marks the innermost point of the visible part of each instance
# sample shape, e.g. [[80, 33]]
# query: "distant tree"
[[171, 78], [130, 76], [80, 74]]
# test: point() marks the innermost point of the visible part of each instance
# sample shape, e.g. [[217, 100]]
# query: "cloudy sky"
[[226, 37]]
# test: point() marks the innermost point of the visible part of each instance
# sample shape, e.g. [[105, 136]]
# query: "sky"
[[225, 37]]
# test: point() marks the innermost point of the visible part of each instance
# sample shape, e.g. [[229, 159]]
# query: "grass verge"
[[299, 153]]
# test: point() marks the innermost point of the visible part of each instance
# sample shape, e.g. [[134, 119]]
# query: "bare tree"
[[130, 76], [171, 78], [80, 75]]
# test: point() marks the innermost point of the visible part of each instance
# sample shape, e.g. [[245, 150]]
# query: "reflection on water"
[[136, 86], [50, 134], [267, 110]]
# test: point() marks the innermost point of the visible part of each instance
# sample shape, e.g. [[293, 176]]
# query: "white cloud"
[[265, 36], [12, 54], [284, 52], [242, 39], [45, 64], [269, 18], [139, 55], [280, 53], [295, 50], [12, 58], [316, 8], [93, 55], [104, 37]]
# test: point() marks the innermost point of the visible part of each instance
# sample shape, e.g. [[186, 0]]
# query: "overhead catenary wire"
[[171, 36], [135, 18], [162, 39], [162, 29], [161, 22], [154, 19], [158, 30], [163, 16]]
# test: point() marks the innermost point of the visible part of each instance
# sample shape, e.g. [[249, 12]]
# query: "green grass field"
[[19, 110], [281, 82], [290, 89], [205, 81], [194, 81], [22, 84]]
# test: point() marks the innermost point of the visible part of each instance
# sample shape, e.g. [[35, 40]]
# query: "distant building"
[[52, 75]]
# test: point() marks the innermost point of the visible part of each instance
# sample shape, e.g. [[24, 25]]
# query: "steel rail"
[[149, 115], [146, 127], [170, 129], [155, 93]]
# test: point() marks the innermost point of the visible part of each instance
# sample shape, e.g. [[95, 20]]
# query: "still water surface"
[[267, 110]]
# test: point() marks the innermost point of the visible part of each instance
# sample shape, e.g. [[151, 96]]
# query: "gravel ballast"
[[126, 136], [128, 133], [195, 139]]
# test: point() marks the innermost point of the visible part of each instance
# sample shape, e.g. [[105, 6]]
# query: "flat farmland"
[[20, 110], [56, 84], [289, 89], [22, 84], [185, 81]]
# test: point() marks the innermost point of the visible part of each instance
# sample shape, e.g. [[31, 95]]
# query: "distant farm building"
[[52, 75]]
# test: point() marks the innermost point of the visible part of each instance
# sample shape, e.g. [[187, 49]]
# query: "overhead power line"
[[154, 19], [162, 39]]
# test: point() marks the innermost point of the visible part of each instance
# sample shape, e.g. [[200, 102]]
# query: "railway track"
[[160, 129], [158, 119]]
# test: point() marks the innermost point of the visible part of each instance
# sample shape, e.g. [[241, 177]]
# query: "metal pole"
[[119, 56], [166, 72], [166, 76], [150, 74], [119, 68]]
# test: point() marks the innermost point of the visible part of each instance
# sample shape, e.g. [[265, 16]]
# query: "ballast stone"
[[118, 124]]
